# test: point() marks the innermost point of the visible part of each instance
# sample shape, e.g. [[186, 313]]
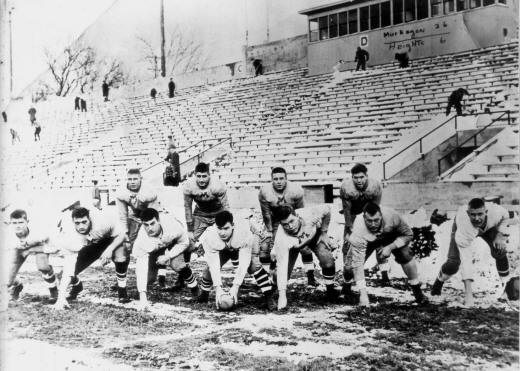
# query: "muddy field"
[[180, 334]]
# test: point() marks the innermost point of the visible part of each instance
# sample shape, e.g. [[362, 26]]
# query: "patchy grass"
[[311, 335]]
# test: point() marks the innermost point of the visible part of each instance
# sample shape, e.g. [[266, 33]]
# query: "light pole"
[[10, 53]]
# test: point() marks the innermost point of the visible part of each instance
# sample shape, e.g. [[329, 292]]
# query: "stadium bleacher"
[[315, 126]]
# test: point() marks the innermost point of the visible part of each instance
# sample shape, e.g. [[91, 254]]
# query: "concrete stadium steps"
[[315, 126], [497, 160]]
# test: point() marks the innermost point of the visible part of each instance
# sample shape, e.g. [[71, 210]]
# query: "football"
[[225, 302]]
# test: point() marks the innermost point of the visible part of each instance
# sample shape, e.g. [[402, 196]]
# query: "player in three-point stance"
[[92, 237], [221, 242], [355, 193], [131, 200], [382, 230], [162, 242], [210, 197], [478, 219], [301, 228], [27, 239], [279, 193]]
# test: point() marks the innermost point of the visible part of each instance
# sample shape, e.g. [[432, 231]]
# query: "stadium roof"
[[331, 6]]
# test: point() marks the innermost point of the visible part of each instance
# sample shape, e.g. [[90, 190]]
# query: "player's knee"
[[42, 263], [348, 274], [178, 264], [402, 256], [327, 263]]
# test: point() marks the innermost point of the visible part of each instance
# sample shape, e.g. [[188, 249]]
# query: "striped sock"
[[206, 284], [50, 278], [262, 280], [188, 277], [121, 269], [328, 275]]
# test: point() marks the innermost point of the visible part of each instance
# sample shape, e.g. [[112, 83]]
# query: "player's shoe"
[[53, 294], [15, 291], [161, 281], [195, 292], [311, 280], [385, 280], [332, 294], [349, 297], [178, 285], [122, 295], [203, 296], [269, 301], [436, 288], [75, 290], [420, 298]]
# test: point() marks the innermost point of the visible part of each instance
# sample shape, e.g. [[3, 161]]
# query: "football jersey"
[[208, 201], [270, 199], [174, 237], [242, 240], [354, 200], [37, 237], [130, 204]]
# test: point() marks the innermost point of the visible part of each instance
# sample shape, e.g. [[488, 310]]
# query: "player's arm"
[[378, 193], [181, 242], [347, 207], [69, 265], [116, 232], [358, 245], [222, 196], [188, 211], [122, 210], [266, 212], [298, 201], [141, 268]]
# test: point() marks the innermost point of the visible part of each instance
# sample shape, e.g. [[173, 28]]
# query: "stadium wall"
[[456, 32]]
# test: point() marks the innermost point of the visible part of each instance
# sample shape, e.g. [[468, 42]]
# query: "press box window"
[[324, 28], [385, 14], [475, 3], [398, 11], [352, 21], [333, 25], [436, 7], [363, 18], [422, 9], [343, 23], [488, 2], [409, 10], [313, 30], [449, 6], [462, 5], [374, 16]]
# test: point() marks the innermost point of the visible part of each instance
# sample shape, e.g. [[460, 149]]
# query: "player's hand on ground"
[[163, 260], [363, 299], [218, 292], [143, 305], [282, 300], [61, 305], [234, 293]]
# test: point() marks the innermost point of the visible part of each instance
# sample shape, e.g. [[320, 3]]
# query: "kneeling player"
[[382, 230], [475, 220], [24, 241], [300, 228], [221, 243], [94, 237], [163, 242]]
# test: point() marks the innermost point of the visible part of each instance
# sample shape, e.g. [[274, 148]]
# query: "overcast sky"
[[219, 24]]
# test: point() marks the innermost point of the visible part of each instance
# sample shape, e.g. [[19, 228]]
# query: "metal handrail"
[[428, 133], [230, 139], [474, 137], [223, 139]]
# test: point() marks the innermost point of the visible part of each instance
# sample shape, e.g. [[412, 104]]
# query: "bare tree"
[[71, 69], [111, 70], [183, 53]]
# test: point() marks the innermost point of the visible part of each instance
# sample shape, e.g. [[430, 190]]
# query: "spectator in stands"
[[76, 103], [153, 93], [96, 195], [337, 66], [14, 135], [105, 89], [174, 170], [257, 65], [32, 114], [403, 59], [83, 103], [171, 143], [171, 89], [37, 130], [455, 100], [4, 116], [362, 57]]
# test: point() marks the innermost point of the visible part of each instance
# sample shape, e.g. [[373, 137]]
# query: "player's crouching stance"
[[382, 230], [475, 220], [24, 240], [162, 242], [221, 242], [94, 237], [300, 228]]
